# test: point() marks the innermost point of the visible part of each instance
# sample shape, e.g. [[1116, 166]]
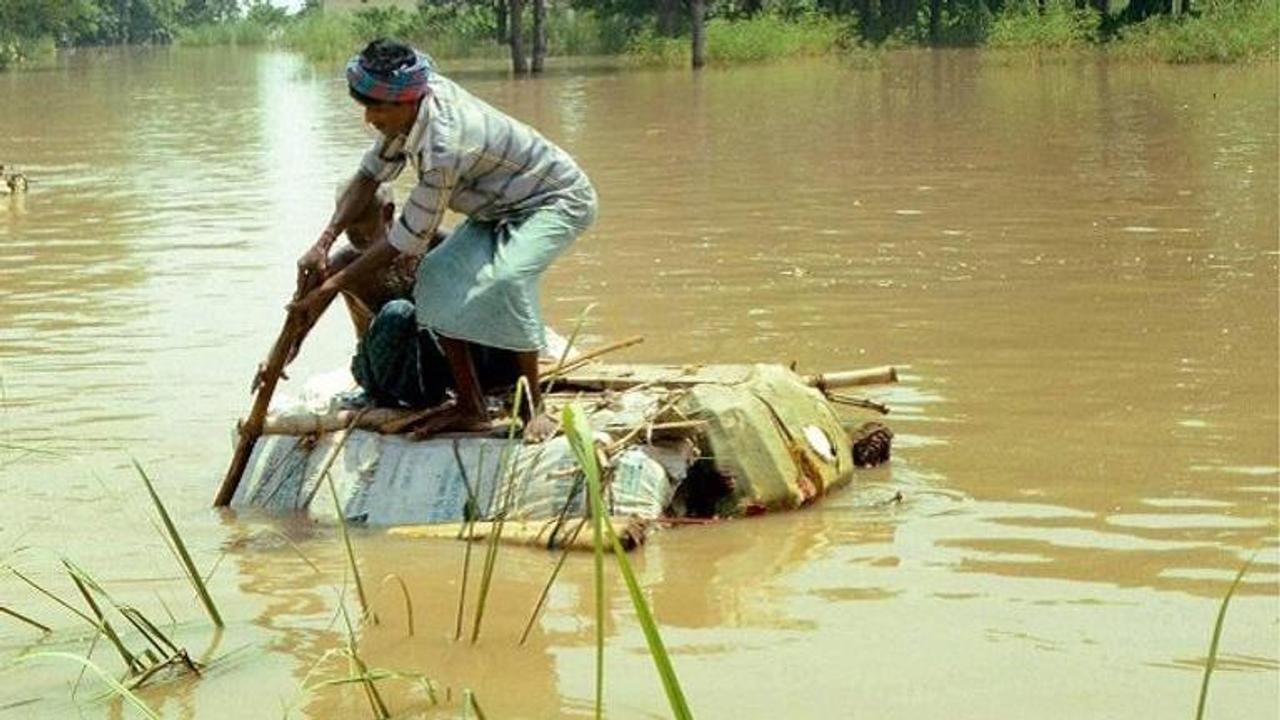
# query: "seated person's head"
[[371, 224]]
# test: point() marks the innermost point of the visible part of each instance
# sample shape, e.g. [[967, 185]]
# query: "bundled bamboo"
[[542, 533]]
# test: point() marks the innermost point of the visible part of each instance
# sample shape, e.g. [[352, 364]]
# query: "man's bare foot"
[[541, 427], [451, 420]]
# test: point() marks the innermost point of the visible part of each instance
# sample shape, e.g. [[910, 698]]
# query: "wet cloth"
[[399, 365], [405, 84], [526, 201]]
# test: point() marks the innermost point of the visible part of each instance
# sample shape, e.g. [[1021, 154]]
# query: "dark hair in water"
[[383, 57]]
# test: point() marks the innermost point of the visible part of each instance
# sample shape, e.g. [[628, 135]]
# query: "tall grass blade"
[[189, 567], [404, 591], [111, 682], [470, 512], [546, 589], [66, 605], [469, 705], [506, 482], [23, 618], [581, 439], [362, 671], [351, 553], [568, 346], [1217, 634], [83, 582], [88, 655], [342, 520], [294, 546]]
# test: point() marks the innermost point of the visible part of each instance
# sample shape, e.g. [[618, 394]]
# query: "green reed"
[[174, 538], [115, 685], [341, 515], [404, 592], [581, 439], [505, 485], [1212, 659], [23, 618]]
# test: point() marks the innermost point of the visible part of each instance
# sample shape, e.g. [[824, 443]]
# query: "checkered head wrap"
[[404, 85]]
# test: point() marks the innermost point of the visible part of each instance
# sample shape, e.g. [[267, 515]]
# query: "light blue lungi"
[[481, 283]]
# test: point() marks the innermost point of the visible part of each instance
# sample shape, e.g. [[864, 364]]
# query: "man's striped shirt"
[[473, 159]]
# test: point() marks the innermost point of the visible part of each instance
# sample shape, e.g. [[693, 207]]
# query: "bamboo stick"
[[332, 421], [631, 531], [850, 378], [294, 327], [592, 355]]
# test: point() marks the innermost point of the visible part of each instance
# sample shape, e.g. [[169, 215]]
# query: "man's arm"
[[313, 263], [358, 273]]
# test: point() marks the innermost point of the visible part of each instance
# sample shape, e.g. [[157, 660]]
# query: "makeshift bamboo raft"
[[680, 443]]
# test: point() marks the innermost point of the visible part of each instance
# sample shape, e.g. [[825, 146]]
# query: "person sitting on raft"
[[397, 364], [525, 199], [366, 295]]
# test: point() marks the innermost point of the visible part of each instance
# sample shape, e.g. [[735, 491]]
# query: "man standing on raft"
[[525, 200]]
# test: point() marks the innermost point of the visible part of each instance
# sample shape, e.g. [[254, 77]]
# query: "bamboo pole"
[[850, 378], [592, 355], [631, 531], [265, 385]]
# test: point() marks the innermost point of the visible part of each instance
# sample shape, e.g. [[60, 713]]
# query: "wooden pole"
[[251, 429], [850, 378], [587, 357]]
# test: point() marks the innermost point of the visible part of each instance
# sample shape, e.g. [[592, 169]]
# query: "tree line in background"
[[651, 31]]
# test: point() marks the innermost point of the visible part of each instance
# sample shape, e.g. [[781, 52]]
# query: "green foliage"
[[199, 12], [959, 24], [650, 48], [1226, 32], [58, 20], [760, 38], [261, 12], [321, 36], [584, 32], [649, 32], [455, 30], [390, 21], [16, 50], [238, 32], [1061, 26]]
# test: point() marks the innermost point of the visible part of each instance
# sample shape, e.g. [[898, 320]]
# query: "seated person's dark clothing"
[[399, 365]]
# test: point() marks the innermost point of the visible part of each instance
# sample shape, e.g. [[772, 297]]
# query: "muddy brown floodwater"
[[1076, 264]]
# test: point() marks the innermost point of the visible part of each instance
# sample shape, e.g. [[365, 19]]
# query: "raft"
[[681, 444]]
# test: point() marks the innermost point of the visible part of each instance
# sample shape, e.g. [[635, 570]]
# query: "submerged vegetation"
[[660, 32]]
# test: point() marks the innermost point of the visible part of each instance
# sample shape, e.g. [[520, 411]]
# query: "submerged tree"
[[697, 19], [539, 34], [519, 64]]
